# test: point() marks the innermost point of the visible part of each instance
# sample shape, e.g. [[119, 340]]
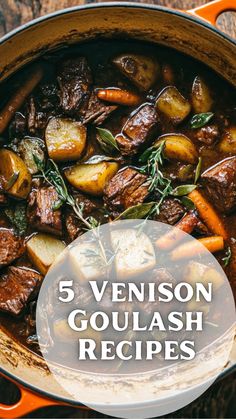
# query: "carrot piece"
[[119, 96], [186, 224], [208, 214], [20, 95], [193, 248]]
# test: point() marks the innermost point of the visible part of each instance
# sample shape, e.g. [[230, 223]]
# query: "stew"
[[110, 130]]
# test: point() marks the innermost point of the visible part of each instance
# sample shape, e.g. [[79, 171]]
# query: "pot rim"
[[111, 4], [65, 400], [74, 403], [127, 4]]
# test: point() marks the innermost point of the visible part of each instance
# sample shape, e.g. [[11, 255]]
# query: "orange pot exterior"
[[210, 11], [30, 401]]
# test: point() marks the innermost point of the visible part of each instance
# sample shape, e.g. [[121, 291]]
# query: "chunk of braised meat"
[[139, 130], [17, 287], [11, 246], [202, 229], [207, 135], [17, 128], [74, 79], [96, 111], [41, 211], [36, 120], [49, 97], [158, 276], [127, 188], [220, 184], [73, 224], [171, 211]]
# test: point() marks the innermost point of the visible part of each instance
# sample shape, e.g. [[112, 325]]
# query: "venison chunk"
[[11, 246], [207, 135], [74, 79], [126, 189], [41, 212], [17, 287], [139, 130], [96, 111], [72, 223], [220, 183], [171, 211], [36, 120]]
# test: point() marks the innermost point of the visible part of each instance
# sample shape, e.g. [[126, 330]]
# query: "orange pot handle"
[[210, 11], [29, 401]]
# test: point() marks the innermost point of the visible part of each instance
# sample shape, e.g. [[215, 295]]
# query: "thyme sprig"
[[153, 159]]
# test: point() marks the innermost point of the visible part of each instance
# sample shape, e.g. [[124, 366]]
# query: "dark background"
[[220, 400]]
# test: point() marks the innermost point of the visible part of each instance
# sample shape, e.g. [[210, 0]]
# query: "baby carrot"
[[193, 248], [20, 95], [208, 214], [119, 96]]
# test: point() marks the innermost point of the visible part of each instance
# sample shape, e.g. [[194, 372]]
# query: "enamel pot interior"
[[150, 23]]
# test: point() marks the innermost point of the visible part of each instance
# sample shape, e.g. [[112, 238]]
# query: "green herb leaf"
[[198, 170], [57, 205], [54, 176], [187, 202], [201, 119], [146, 154], [227, 257], [98, 159], [12, 180], [93, 222], [137, 211], [39, 162], [17, 216], [183, 190], [106, 140]]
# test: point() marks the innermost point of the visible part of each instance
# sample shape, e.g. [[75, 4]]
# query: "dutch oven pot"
[[189, 32]]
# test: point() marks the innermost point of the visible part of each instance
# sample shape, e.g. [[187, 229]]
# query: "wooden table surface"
[[16, 12], [219, 401]]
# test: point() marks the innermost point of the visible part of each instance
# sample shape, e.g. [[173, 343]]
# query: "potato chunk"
[[14, 174], [135, 253], [64, 333], [228, 142], [201, 96], [65, 139], [197, 272], [173, 105], [43, 250], [140, 69], [91, 178], [86, 261], [179, 147]]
